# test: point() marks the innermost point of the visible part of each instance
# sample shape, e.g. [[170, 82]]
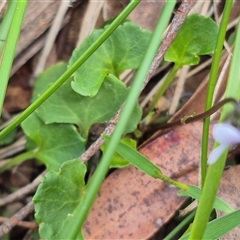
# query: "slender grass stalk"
[[10, 46], [96, 180], [164, 86], [212, 84], [6, 23], [215, 171], [185, 222], [17, 160], [121, 17]]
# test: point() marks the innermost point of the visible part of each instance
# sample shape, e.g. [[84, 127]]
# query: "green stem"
[[211, 86], [201, 116], [10, 47], [168, 180], [185, 222], [17, 160], [6, 23], [215, 171], [96, 180], [163, 88], [71, 70]]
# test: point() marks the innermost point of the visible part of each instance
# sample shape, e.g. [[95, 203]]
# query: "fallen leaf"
[[132, 205], [229, 191], [146, 14]]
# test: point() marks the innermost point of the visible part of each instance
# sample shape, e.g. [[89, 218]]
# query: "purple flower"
[[226, 134]]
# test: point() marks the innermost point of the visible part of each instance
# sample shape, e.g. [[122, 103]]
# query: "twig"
[[25, 224], [100, 141], [179, 89], [176, 23], [15, 219], [23, 191], [14, 148]]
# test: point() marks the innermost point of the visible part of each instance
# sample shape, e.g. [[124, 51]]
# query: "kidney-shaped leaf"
[[197, 37], [123, 50], [70, 107], [57, 199], [47, 78], [55, 143]]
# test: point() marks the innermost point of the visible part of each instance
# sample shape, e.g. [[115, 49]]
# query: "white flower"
[[226, 134]]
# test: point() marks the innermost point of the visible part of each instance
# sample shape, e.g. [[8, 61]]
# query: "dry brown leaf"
[[132, 205], [37, 20], [146, 14], [229, 191]]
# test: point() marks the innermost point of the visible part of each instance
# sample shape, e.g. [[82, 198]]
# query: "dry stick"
[[8, 224], [178, 90], [2, 5], [15, 219], [25, 224], [100, 141], [13, 149], [22, 191], [176, 23]]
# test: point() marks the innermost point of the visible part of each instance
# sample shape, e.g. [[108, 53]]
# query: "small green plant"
[[69, 98], [189, 44], [77, 105]]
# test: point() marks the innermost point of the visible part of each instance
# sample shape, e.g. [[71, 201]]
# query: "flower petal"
[[226, 133], [216, 153]]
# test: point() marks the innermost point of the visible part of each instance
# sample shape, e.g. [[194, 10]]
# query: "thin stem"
[[17, 160], [215, 171], [168, 180], [163, 88], [186, 221], [10, 47], [6, 23], [211, 86], [201, 116]]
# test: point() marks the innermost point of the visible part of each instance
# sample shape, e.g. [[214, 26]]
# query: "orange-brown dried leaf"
[[132, 205], [229, 191], [146, 14]]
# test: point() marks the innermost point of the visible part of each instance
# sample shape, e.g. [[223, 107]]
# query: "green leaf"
[[195, 192], [9, 138], [135, 118], [219, 227], [57, 198], [117, 160], [123, 50], [47, 78], [56, 143], [197, 36], [70, 107]]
